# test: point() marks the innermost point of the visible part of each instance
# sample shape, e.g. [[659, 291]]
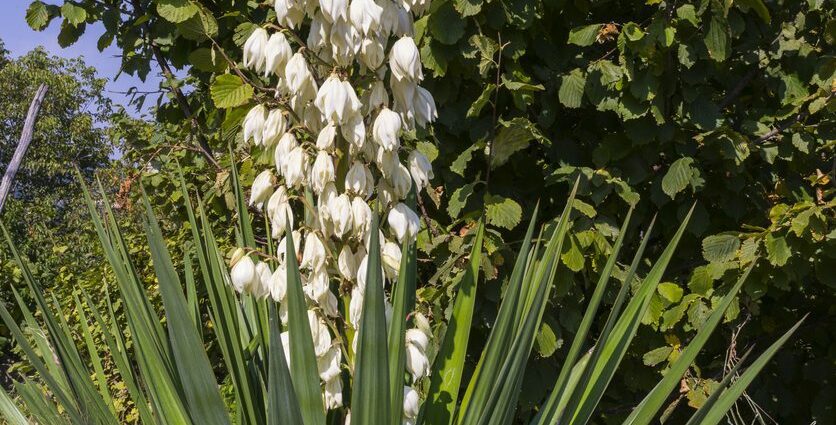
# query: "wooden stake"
[[22, 146]]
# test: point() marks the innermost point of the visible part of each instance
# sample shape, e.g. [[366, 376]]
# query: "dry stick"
[[23, 144]]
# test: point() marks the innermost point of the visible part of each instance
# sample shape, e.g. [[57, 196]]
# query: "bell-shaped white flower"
[[329, 364], [333, 394], [277, 53], [420, 169], [328, 303], [406, 23], [355, 307], [403, 93], [297, 167], [362, 214], [354, 131], [255, 48], [298, 76], [243, 274], [424, 107], [403, 222], [405, 60], [387, 129], [355, 178], [334, 9], [391, 259], [279, 212], [319, 32], [289, 13], [262, 288], [337, 100], [341, 215], [316, 286], [385, 194], [417, 363], [281, 248], [278, 283], [401, 181], [417, 7], [274, 127], [378, 97], [389, 17], [371, 52], [344, 42], [313, 256], [262, 187], [254, 124], [322, 172], [346, 263], [325, 138], [287, 143], [365, 15], [411, 403]]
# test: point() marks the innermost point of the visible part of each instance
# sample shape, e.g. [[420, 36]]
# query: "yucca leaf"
[[93, 352], [579, 340], [717, 410], [501, 335], [9, 411], [39, 404], [282, 405], [199, 385], [446, 374], [646, 410], [303, 366], [602, 367], [370, 392], [712, 399], [403, 302], [501, 404]]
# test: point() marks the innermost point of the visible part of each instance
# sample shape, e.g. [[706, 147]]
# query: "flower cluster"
[[344, 97]]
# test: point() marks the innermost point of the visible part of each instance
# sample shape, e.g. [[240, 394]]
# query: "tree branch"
[[23, 144]]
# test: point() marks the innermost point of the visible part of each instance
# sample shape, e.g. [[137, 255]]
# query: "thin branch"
[[801, 116], [23, 144]]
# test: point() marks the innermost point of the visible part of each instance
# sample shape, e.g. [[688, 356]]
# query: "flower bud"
[[411, 403], [254, 124], [387, 129], [401, 181], [262, 188], [346, 264], [403, 222], [391, 258], [278, 283], [262, 288], [405, 60], [322, 172]]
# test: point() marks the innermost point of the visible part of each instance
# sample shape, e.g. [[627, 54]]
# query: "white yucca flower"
[[387, 129], [420, 168], [405, 60], [262, 187], [365, 15], [322, 172], [255, 49], [276, 54], [274, 127], [404, 222], [254, 124]]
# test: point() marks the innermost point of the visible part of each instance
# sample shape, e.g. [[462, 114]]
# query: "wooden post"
[[22, 146]]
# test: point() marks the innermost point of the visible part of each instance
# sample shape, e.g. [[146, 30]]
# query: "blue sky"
[[19, 39]]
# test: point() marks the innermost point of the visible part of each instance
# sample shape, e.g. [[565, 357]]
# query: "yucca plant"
[[170, 379]]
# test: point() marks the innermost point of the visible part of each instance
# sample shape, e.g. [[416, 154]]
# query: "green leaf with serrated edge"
[[777, 249], [550, 408], [73, 14], [720, 248], [502, 212], [480, 102], [459, 199], [650, 405], [460, 164], [370, 391], [513, 136], [176, 11], [678, 176], [37, 15], [717, 39], [448, 366], [572, 87], [584, 36], [229, 91], [717, 411]]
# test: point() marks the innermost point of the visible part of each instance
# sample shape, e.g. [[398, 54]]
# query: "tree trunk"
[[22, 146]]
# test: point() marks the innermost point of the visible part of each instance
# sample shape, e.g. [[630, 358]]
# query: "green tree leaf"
[[446, 25], [514, 135], [670, 291], [229, 91], [459, 199], [176, 11], [502, 212], [678, 176], [73, 14], [37, 15], [720, 248], [717, 39], [777, 250], [585, 35], [571, 88]]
